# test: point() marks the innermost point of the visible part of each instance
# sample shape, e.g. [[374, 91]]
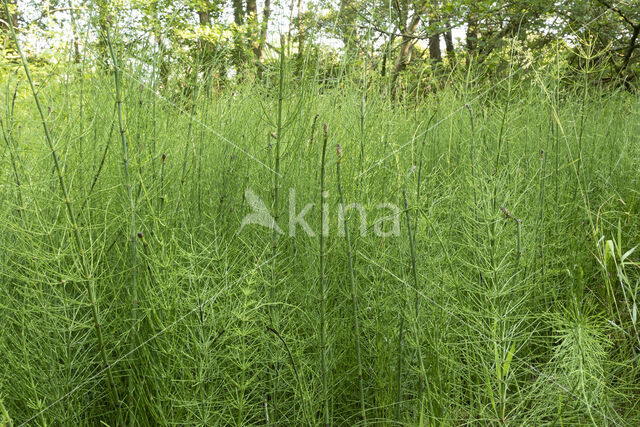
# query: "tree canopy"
[[229, 41]]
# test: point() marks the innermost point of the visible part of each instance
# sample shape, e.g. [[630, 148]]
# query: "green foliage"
[[5, 420], [514, 324], [510, 296]]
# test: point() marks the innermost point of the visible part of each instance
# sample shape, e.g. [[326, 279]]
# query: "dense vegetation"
[[498, 285]]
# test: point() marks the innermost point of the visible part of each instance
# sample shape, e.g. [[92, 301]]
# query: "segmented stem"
[[132, 218], [354, 292], [71, 217]]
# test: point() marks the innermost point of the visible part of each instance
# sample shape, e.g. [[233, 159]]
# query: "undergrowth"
[[508, 297]]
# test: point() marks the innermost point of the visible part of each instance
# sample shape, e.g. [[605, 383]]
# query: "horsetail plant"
[[363, 115], [163, 163], [354, 291], [420, 159], [472, 154], [276, 171], [313, 131], [71, 217], [541, 227], [5, 419], [12, 145], [323, 290], [423, 380], [508, 353], [132, 224], [400, 352], [276, 208], [508, 215]]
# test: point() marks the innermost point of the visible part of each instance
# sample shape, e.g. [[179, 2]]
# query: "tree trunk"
[[348, 14], [238, 12], [4, 24], [259, 41], [252, 7], [448, 40], [630, 49], [291, 7], [385, 56], [210, 65], [472, 35], [264, 27], [238, 56], [300, 25], [74, 31], [406, 46], [404, 56], [204, 17], [435, 53]]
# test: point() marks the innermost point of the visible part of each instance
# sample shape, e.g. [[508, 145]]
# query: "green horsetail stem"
[[71, 217], [132, 224], [354, 290]]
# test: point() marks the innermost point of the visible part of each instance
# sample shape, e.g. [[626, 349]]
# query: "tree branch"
[[619, 12]]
